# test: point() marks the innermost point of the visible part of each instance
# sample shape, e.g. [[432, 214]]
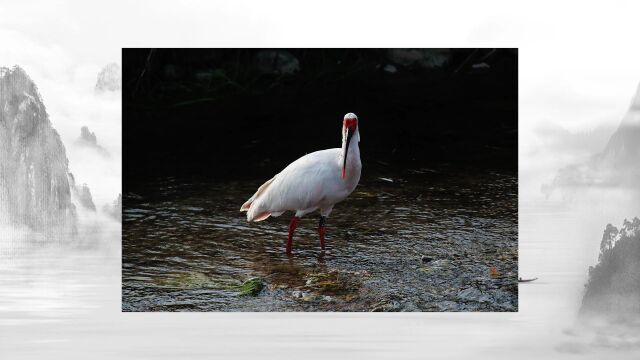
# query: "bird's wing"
[[305, 182], [303, 185]]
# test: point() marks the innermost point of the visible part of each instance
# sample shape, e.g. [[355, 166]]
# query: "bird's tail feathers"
[[247, 205], [261, 216], [257, 212]]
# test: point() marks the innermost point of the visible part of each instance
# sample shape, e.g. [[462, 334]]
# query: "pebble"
[[298, 294]]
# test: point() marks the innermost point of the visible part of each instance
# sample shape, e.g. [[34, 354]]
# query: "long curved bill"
[[345, 152]]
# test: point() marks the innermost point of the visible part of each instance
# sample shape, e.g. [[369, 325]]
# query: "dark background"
[[239, 113]]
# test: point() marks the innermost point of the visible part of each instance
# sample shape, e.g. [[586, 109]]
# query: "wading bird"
[[315, 181]]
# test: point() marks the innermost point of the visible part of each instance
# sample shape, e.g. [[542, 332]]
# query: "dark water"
[[423, 240]]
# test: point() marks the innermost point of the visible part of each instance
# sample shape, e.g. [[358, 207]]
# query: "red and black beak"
[[346, 152]]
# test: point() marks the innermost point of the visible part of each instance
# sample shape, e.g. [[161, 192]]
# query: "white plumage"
[[316, 181]]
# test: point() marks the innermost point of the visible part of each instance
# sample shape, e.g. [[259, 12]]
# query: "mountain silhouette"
[[35, 189]]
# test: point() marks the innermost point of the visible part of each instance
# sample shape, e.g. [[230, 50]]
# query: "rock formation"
[[109, 78], [623, 149], [89, 139], [115, 210], [617, 165], [613, 288], [34, 175], [81, 194]]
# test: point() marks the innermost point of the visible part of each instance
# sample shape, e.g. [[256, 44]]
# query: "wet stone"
[[298, 294]]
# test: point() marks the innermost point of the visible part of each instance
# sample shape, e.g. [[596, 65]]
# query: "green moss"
[[196, 280], [251, 287]]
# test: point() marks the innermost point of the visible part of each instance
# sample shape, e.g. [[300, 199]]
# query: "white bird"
[[315, 181]]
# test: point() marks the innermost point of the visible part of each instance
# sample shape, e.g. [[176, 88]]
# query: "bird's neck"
[[354, 148], [353, 153]]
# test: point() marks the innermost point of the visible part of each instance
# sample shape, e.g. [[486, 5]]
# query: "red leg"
[[292, 228], [322, 231]]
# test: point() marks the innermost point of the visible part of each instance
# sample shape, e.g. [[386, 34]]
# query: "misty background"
[[59, 178]]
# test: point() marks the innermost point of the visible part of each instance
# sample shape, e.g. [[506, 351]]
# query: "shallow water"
[[186, 247]]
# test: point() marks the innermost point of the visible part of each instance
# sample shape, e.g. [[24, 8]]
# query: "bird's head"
[[349, 127], [350, 122]]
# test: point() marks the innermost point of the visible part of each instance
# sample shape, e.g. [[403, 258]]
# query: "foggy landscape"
[[579, 189], [60, 204]]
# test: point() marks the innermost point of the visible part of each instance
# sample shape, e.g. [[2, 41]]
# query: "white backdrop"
[[579, 65]]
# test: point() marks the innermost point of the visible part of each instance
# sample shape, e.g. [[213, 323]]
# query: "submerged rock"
[[298, 294], [34, 182], [333, 283], [387, 306], [470, 294]]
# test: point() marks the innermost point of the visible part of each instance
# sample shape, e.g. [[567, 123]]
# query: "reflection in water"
[[423, 242]]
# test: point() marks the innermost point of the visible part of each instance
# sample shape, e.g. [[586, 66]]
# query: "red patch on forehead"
[[350, 123]]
